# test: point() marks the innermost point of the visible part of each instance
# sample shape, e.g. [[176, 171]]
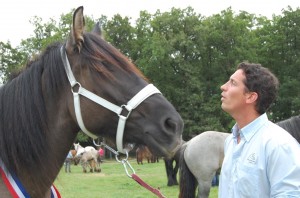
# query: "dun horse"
[[84, 83], [200, 159]]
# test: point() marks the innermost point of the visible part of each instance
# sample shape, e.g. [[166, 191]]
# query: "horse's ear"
[[75, 40], [97, 29]]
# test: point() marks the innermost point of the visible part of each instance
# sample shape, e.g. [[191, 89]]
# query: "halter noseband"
[[131, 104]]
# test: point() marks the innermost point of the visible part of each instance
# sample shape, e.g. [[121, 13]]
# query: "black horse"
[[172, 166], [83, 83], [292, 125]]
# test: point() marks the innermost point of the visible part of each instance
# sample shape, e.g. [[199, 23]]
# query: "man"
[[68, 162], [261, 159]]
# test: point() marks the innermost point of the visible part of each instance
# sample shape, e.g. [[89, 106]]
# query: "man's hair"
[[262, 81]]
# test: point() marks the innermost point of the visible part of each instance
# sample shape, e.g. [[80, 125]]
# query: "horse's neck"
[[78, 147], [4, 192], [44, 175]]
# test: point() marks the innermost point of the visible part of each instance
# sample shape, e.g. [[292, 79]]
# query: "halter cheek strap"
[[131, 104]]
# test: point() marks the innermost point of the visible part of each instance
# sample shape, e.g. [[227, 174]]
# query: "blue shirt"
[[69, 156], [266, 162]]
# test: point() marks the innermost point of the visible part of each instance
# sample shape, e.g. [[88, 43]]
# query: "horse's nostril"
[[174, 125], [171, 125]]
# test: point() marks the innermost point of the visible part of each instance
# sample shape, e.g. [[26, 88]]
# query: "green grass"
[[113, 182]]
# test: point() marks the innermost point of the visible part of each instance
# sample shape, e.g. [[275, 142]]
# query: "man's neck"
[[244, 119]]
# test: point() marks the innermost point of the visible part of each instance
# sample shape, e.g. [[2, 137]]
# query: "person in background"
[[101, 155], [68, 162], [261, 159]]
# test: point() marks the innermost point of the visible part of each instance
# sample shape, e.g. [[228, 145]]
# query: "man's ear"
[[251, 97]]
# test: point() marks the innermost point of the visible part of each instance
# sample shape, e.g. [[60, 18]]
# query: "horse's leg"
[[174, 173], [204, 189], [172, 177], [84, 164], [92, 165], [85, 167], [98, 166], [96, 163], [169, 170]]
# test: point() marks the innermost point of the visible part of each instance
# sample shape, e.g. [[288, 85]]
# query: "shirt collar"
[[249, 130]]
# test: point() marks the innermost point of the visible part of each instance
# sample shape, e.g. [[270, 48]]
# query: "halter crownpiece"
[[146, 92]]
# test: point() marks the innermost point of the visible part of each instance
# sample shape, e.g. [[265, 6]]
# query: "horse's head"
[[76, 146], [102, 70]]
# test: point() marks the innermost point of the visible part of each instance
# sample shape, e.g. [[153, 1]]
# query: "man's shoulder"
[[277, 135]]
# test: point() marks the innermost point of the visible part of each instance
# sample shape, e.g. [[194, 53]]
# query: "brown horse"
[[142, 152], [84, 83]]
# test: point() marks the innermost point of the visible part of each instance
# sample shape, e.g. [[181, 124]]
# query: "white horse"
[[80, 150], [88, 156], [200, 159]]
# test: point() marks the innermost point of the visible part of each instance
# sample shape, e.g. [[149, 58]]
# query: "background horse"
[[292, 125], [142, 152], [38, 119], [200, 159], [80, 150], [90, 158], [172, 166]]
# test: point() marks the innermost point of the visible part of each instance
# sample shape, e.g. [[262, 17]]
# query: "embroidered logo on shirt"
[[251, 158]]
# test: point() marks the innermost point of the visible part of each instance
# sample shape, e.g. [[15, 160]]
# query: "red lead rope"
[[136, 178], [145, 185]]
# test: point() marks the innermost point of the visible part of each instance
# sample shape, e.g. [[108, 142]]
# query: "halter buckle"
[[125, 112], [75, 87]]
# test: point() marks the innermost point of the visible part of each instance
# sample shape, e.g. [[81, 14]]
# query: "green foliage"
[[188, 56], [11, 60]]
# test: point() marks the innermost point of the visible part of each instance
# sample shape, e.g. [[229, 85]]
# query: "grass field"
[[113, 182]]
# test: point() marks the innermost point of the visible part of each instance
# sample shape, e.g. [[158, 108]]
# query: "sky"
[[15, 14]]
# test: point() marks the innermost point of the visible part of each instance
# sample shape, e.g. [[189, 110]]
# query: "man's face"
[[233, 93]]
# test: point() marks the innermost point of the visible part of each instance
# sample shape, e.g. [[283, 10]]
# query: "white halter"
[[131, 104]]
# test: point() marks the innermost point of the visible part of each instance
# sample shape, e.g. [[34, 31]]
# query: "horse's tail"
[[187, 181]]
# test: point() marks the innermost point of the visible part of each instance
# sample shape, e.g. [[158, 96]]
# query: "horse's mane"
[[23, 131], [292, 125], [23, 120]]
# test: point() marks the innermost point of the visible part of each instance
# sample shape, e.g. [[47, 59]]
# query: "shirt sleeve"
[[283, 169]]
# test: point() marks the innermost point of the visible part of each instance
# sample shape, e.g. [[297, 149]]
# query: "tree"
[[11, 60]]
